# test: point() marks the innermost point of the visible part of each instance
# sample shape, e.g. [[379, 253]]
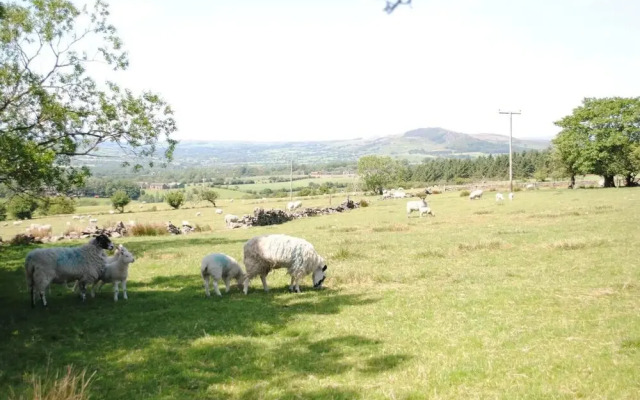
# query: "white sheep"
[[93, 220], [265, 253], [415, 206], [66, 264], [511, 195], [198, 214], [499, 197], [186, 223], [476, 194], [218, 211], [426, 210], [220, 266], [292, 205], [229, 219], [116, 271]]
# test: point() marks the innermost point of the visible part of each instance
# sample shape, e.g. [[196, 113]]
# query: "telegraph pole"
[[291, 182], [511, 113]]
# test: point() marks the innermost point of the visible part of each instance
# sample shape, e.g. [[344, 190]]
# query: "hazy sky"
[[339, 69]]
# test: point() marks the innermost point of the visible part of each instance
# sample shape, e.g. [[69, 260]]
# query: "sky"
[[294, 70]]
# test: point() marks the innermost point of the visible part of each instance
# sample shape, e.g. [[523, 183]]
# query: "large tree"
[[377, 172], [601, 137], [52, 109]]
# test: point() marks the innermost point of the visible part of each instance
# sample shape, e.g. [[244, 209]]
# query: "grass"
[[508, 304]]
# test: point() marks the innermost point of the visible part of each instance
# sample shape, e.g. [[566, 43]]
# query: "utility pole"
[[511, 113], [291, 183]]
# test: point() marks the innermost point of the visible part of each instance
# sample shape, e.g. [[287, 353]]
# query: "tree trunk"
[[609, 181], [572, 183], [630, 180]]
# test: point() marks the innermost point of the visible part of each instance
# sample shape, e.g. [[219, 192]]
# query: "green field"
[[536, 298], [296, 184]]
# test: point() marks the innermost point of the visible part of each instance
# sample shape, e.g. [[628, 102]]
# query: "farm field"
[[297, 183], [535, 298]]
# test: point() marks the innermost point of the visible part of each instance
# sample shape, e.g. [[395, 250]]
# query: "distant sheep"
[[93, 220], [415, 206], [475, 195], [292, 205], [499, 197], [511, 195], [268, 252], [220, 266], [218, 211], [66, 264], [198, 214], [229, 219], [116, 271]]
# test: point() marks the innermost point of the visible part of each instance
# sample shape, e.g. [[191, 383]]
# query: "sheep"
[[292, 205], [93, 220], [218, 211], [415, 206], [476, 194], [17, 222], [116, 271], [65, 264], [426, 210], [265, 253], [499, 197], [220, 266], [229, 219], [511, 195], [198, 214]]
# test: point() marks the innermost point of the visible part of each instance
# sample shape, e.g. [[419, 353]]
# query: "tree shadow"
[[169, 338]]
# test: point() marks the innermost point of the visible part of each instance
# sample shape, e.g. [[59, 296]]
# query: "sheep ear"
[[324, 268]]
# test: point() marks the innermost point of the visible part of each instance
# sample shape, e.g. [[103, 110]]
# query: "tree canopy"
[[51, 108], [601, 137]]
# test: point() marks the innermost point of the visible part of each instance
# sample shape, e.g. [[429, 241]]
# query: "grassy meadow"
[[535, 298]]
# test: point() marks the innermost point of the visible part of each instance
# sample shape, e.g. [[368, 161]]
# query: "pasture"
[[535, 298]]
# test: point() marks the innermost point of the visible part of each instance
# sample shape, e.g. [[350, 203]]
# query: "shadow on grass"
[[169, 340]]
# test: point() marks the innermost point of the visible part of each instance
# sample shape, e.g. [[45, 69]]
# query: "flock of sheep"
[[89, 265]]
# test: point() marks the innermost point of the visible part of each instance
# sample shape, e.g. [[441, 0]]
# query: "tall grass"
[[71, 385], [148, 230]]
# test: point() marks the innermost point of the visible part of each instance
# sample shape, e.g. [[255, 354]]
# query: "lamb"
[[426, 210], [198, 214], [292, 205], [220, 266], [116, 271], [66, 264], [511, 196], [218, 211], [499, 197], [475, 195], [229, 219], [265, 253], [415, 206]]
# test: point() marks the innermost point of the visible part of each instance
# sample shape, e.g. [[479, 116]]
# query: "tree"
[[601, 137], [52, 110], [22, 207], [56, 205], [119, 200], [376, 172], [175, 199], [208, 195]]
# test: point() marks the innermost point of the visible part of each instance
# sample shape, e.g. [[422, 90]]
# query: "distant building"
[[158, 186]]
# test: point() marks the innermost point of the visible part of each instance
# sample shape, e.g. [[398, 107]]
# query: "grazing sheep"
[[415, 206], [66, 264], [198, 214], [218, 211], [511, 195], [231, 201], [116, 271], [17, 222], [111, 212], [476, 194], [220, 266], [93, 220], [265, 253], [292, 205], [229, 219], [499, 197], [426, 210]]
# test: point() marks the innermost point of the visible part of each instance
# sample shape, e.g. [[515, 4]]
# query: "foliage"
[[208, 195], [3, 211], [464, 193], [70, 386], [148, 230], [601, 137], [51, 108], [364, 203], [377, 172], [119, 200], [175, 199], [56, 205], [106, 187], [22, 207]]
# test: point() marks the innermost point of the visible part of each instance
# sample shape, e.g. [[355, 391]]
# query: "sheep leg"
[[206, 285], [83, 291], [43, 298], [263, 277], [215, 287], [293, 287], [227, 283], [245, 284], [115, 290], [94, 288], [124, 290]]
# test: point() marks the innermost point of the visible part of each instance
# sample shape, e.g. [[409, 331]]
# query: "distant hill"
[[414, 146]]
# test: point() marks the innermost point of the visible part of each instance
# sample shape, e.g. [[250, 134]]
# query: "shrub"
[[202, 228], [148, 230], [119, 200], [3, 211], [57, 205], [22, 207], [464, 193], [364, 203], [175, 199]]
